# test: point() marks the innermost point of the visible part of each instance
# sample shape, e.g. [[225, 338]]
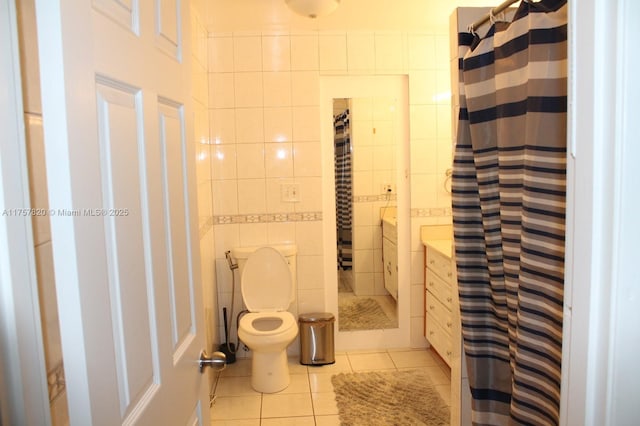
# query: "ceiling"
[[352, 15]]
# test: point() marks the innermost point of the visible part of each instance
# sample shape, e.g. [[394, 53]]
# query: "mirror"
[[365, 149]]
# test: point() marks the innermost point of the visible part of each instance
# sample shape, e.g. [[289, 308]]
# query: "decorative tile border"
[[55, 382], [432, 212], [311, 216], [267, 218], [374, 198]]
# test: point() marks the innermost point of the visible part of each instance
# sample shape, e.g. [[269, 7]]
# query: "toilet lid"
[[266, 281]]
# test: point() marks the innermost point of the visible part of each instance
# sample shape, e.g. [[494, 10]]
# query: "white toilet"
[[267, 282]]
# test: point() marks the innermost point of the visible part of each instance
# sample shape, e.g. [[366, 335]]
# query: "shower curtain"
[[342, 150], [508, 193]]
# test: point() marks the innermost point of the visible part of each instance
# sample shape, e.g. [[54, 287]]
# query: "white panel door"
[[119, 151]]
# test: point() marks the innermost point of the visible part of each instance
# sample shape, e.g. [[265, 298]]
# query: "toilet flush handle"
[[217, 359]]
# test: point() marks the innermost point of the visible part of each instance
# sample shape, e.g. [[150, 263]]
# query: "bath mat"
[[363, 314], [405, 397]]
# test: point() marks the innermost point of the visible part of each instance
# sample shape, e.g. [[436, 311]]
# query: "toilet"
[[267, 283]]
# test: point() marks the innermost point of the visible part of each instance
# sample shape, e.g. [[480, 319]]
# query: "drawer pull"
[[449, 324], [430, 283], [432, 262], [448, 353], [449, 299], [431, 333], [431, 307], [449, 274]]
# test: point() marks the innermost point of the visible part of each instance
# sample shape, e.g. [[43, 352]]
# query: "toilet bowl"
[[267, 286]]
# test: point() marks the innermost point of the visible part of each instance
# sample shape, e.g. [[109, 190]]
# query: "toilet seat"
[[287, 318]]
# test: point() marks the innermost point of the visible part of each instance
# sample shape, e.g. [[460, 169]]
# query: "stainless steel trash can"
[[316, 338]]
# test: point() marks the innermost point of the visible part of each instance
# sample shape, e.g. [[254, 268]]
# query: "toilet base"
[[270, 371]]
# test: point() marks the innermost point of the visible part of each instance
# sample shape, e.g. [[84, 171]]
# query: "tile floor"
[[309, 399]]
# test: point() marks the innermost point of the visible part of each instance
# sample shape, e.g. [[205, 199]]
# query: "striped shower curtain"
[[508, 192], [342, 152]]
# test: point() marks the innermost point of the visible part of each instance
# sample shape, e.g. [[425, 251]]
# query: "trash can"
[[316, 338]]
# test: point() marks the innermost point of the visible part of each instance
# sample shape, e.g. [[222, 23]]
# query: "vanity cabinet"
[[438, 288]]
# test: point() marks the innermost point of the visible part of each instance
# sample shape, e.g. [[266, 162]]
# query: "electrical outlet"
[[290, 192]]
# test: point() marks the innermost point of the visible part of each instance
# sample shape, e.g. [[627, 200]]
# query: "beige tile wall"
[[265, 130], [373, 127]]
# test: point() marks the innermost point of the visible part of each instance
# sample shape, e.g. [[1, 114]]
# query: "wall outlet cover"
[[290, 192]]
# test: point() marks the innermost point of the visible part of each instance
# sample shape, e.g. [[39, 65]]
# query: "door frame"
[[600, 333], [24, 396]]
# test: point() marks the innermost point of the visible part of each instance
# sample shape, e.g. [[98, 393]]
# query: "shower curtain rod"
[[493, 12]]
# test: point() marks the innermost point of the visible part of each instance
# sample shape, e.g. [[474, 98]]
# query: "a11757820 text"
[[85, 212]]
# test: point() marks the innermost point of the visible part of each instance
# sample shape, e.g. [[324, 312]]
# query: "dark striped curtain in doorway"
[[509, 186], [342, 157]]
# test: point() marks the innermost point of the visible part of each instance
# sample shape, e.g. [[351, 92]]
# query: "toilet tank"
[[288, 251]]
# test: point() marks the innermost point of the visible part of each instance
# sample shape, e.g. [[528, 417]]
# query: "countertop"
[[445, 247], [440, 237]]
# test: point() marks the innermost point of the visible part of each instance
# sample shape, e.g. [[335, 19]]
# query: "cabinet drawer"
[[439, 312], [440, 340], [439, 288], [439, 264]]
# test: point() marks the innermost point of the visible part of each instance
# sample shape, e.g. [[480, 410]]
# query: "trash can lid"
[[317, 317]]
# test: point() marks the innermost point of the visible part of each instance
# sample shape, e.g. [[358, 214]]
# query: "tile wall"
[[265, 131], [374, 127]]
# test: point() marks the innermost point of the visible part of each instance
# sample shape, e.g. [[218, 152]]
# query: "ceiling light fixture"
[[313, 8]]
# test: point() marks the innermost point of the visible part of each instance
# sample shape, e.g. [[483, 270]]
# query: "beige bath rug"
[[363, 314], [404, 397]]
